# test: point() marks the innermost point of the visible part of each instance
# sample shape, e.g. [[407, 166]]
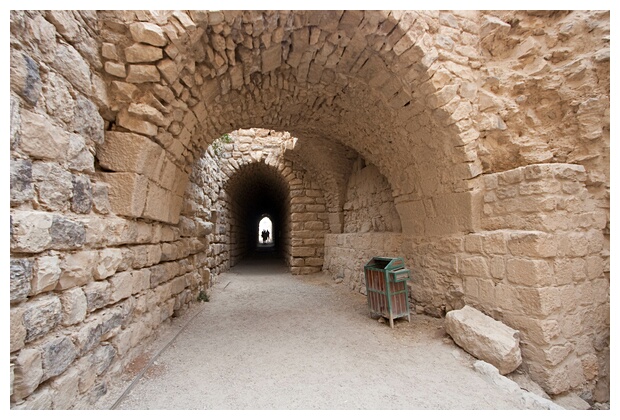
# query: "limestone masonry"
[[146, 145]]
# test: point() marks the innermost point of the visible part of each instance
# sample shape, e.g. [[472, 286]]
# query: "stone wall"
[[540, 266], [369, 205], [119, 218]]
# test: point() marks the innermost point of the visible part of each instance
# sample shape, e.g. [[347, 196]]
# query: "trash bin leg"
[[391, 321]]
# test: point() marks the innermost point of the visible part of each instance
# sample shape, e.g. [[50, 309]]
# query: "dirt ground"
[[270, 340]]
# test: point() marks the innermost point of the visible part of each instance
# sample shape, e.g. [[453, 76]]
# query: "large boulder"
[[485, 338]]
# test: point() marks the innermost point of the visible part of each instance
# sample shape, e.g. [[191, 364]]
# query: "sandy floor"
[[270, 340]]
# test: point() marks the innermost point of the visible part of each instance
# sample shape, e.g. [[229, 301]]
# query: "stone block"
[[25, 77], [41, 315], [18, 330], [158, 201], [474, 266], [77, 269], [473, 243], [102, 358], [53, 185], [136, 124], [97, 295], [46, 274], [485, 338], [142, 73], [148, 33], [82, 197], [66, 389], [169, 70], [87, 121], [74, 306], [300, 251], [73, 67], [532, 244], [28, 373], [127, 192], [121, 286], [41, 139], [20, 279], [128, 152], [115, 69], [140, 53], [109, 260], [529, 272], [21, 181], [141, 280], [57, 356], [66, 233]]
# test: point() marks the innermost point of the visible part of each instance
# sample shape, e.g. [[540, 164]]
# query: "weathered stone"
[[74, 306], [97, 295], [528, 272], [46, 274], [30, 231], [66, 234], [21, 276], [41, 315], [53, 185], [148, 33], [529, 399], [81, 200], [25, 77], [140, 53], [109, 260], [66, 389], [88, 122], [121, 286], [102, 358], [18, 330], [147, 112], [127, 192], [15, 122], [65, 24], [141, 73], [57, 356], [28, 373], [101, 201], [485, 338], [108, 51], [79, 155], [41, 139], [21, 181], [77, 269], [72, 66]]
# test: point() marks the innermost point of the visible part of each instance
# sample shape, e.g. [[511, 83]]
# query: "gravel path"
[[270, 340]]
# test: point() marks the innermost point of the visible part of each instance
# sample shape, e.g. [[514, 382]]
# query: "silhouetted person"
[[265, 235]]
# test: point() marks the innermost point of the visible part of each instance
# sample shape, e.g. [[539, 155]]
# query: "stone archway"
[[111, 111]]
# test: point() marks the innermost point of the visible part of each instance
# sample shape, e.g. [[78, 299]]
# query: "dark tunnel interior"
[[254, 191]]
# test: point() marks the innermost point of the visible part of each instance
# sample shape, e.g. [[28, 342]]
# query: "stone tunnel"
[[146, 145]]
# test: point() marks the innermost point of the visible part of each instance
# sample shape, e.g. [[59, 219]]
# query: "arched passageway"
[[484, 135], [256, 190]]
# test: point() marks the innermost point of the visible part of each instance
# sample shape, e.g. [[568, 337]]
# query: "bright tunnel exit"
[[265, 231]]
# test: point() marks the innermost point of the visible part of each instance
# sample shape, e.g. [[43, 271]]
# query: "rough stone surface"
[[21, 276], [28, 374], [475, 144], [46, 275], [21, 181], [41, 316], [485, 338], [57, 356]]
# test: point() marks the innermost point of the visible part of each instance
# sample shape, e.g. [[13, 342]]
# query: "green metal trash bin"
[[386, 288]]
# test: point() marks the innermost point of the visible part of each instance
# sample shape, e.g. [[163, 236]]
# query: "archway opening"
[[265, 232], [255, 191]]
